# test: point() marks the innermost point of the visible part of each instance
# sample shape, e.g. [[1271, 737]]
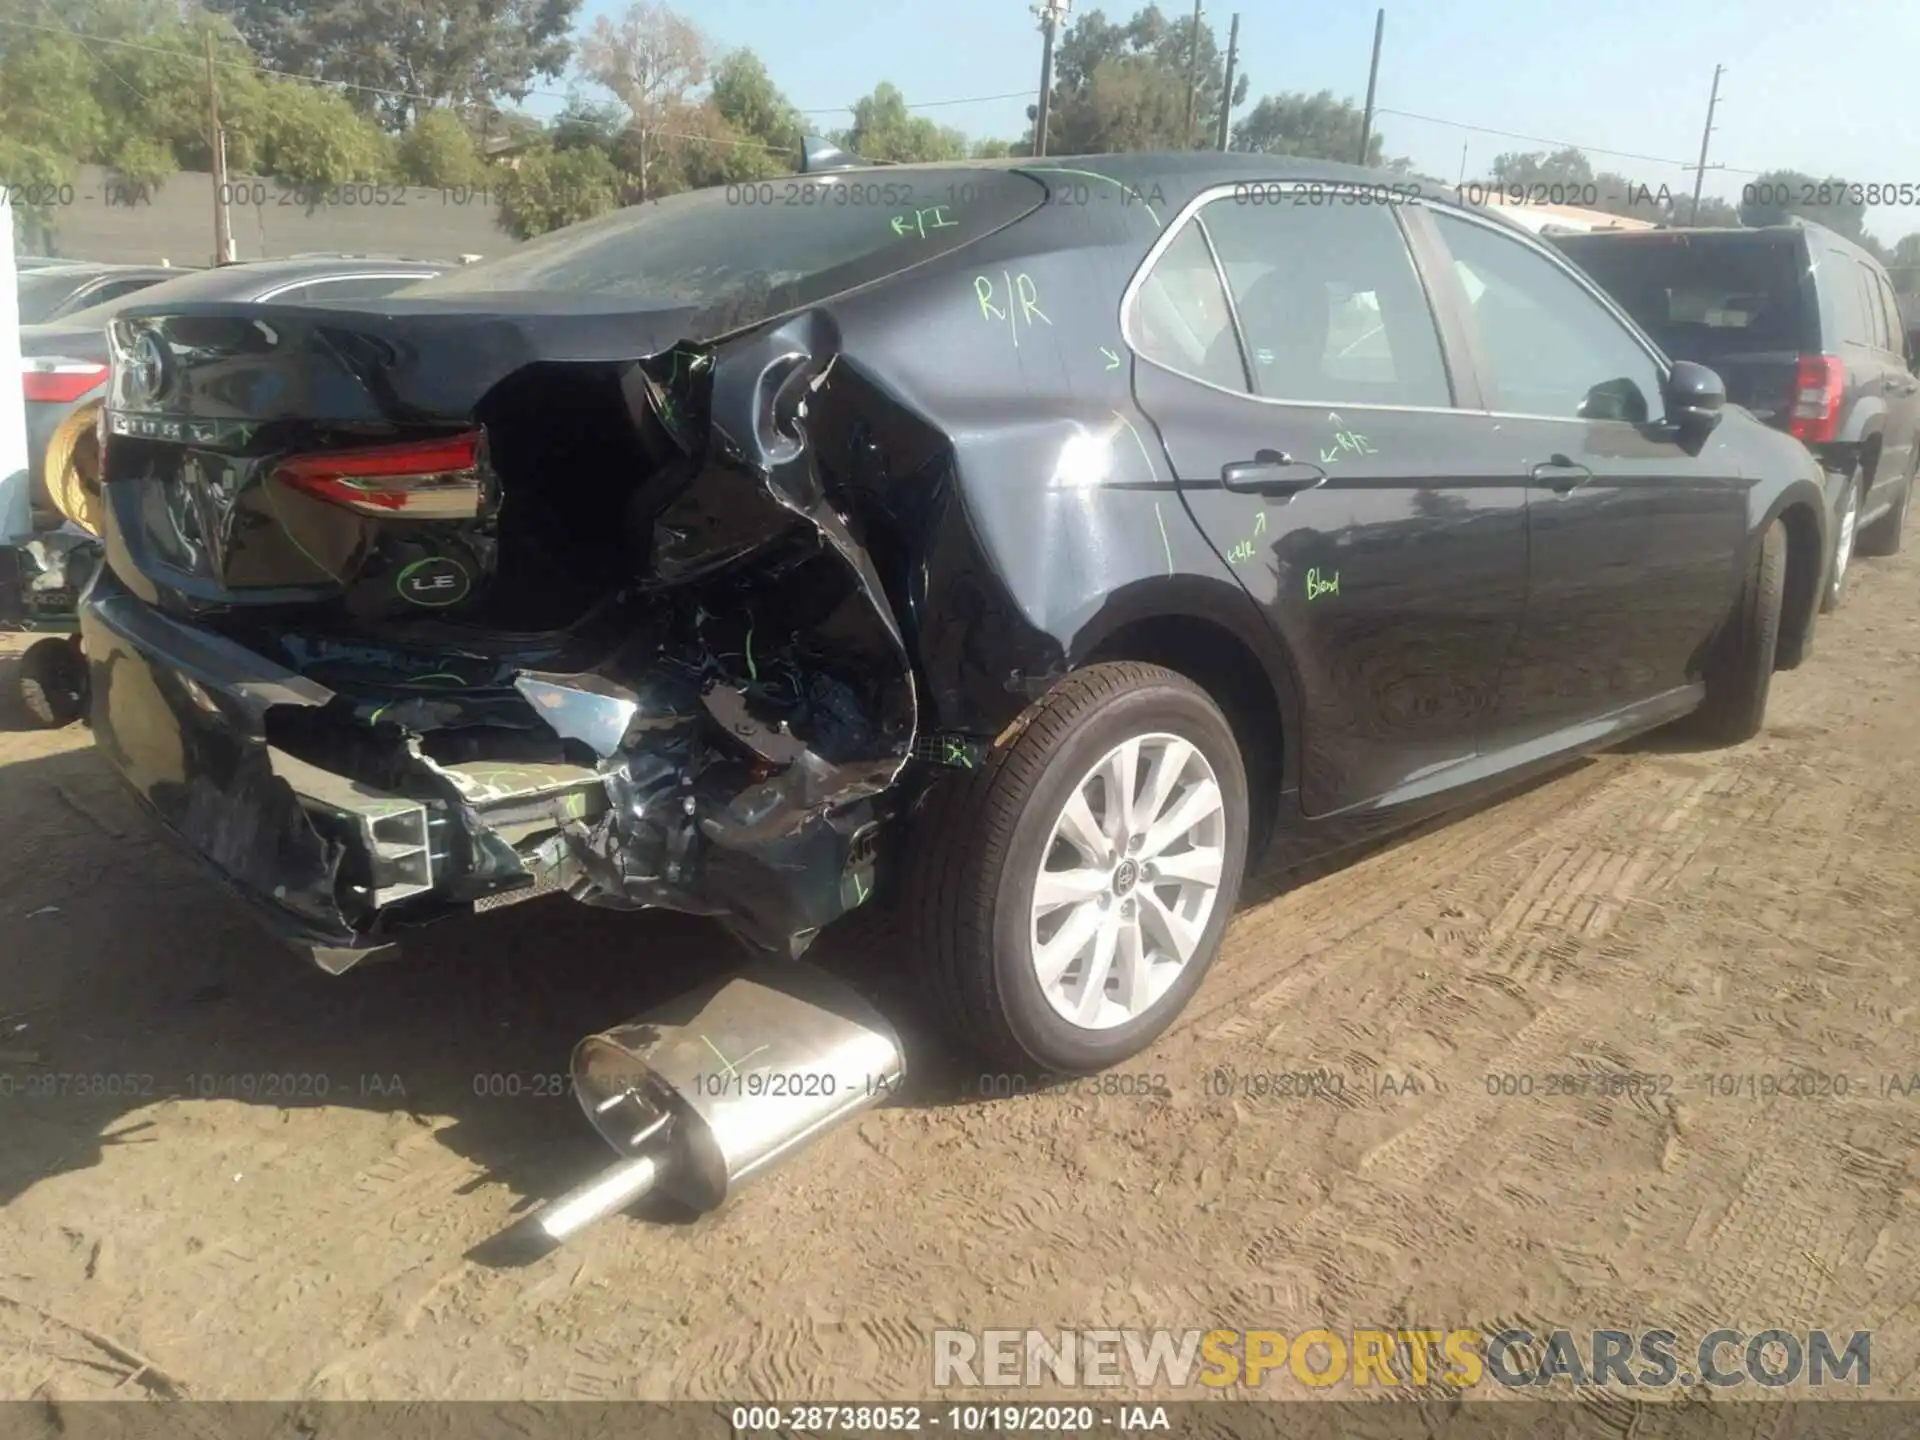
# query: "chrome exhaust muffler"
[[722, 1083]]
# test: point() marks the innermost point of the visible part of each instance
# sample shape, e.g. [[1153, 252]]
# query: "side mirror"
[[1695, 396]]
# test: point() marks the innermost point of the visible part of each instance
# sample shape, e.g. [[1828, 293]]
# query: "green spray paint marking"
[[753, 670], [957, 754], [1131, 194], [918, 223], [1021, 291], [1244, 551], [1316, 587], [1347, 442], [1165, 544], [1113, 360], [434, 582]]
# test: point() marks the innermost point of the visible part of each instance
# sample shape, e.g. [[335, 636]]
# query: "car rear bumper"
[[180, 715]]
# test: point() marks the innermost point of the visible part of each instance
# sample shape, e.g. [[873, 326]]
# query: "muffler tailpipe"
[[722, 1083]]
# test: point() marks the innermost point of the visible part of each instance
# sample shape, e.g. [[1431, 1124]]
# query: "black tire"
[[1882, 537], [1839, 567], [53, 682], [978, 850], [1739, 672]]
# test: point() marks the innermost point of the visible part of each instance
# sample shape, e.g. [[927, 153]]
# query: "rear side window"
[[1181, 318], [1701, 294], [1844, 287], [1890, 306], [1330, 303], [1876, 333], [758, 250]]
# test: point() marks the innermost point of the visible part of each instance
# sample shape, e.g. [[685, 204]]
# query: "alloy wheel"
[[1128, 881]]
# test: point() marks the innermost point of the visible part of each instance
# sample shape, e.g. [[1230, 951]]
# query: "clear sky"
[[1829, 88]]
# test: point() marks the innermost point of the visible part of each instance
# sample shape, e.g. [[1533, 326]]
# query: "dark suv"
[[1805, 329]]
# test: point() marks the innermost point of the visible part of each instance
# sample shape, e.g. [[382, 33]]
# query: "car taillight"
[[1819, 382], [56, 381], [430, 480]]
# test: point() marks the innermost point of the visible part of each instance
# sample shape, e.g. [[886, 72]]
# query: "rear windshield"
[[41, 292], [1693, 292], [758, 249]]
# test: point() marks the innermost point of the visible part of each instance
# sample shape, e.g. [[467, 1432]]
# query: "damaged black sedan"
[[1045, 534]]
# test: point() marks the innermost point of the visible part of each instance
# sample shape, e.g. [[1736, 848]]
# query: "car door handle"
[[1272, 474], [1561, 474]]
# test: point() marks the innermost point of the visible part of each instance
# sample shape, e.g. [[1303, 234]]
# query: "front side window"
[[1330, 303], [1551, 348]]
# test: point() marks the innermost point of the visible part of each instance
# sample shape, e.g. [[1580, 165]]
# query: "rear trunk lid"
[[348, 465]]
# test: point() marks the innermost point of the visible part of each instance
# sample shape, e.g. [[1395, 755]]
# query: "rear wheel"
[[1068, 898], [1845, 531], [1739, 672], [1882, 537], [53, 681]]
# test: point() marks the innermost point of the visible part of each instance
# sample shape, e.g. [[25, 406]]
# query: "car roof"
[[1796, 230]]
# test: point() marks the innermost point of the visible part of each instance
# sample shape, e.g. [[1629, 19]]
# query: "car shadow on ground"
[[126, 976]]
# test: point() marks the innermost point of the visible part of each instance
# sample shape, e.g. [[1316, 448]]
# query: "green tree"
[[1713, 211], [755, 110], [418, 52], [1568, 167], [312, 137], [884, 129], [1316, 126], [1124, 87], [1904, 264], [1778, 194], [49, 117], [439, 152], [550, 189], [652, 58]]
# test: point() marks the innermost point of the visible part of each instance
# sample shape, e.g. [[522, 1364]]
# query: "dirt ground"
[[1664, 911]]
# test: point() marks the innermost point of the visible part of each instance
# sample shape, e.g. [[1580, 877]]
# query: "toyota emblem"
[[146, 369]]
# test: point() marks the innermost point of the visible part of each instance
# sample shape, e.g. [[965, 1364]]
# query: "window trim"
[[1129, 297], [1662, 365]]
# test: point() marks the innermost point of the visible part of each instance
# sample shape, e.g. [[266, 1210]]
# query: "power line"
[[926, 104], [1563, 144]]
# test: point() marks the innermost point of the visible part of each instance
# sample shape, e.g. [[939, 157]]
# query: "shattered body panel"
[[872, 529]]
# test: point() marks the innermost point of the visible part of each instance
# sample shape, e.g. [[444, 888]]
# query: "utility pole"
[[1193, 74], [1373, 80], [1226, 94], [217, 135], [1700, 173], [1053, 14]]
